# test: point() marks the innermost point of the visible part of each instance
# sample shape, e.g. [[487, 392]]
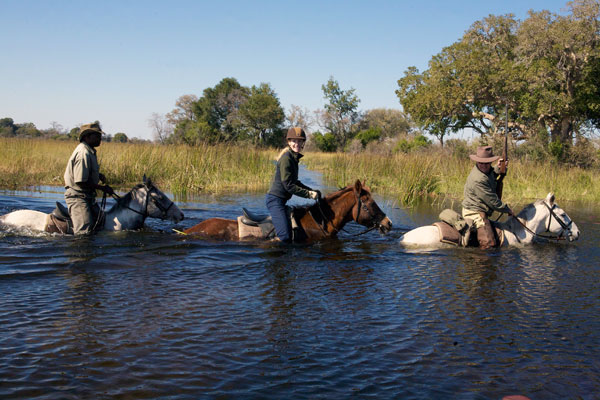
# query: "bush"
[[407, 146], [326, 142], [368, 135]]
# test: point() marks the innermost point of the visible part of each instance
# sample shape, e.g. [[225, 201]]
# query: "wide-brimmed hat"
[[485, 154], [86, 129], [296, 132]]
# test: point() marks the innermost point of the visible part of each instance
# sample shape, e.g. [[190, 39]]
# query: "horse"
[[532, 223], [129, 213], [323, 219]]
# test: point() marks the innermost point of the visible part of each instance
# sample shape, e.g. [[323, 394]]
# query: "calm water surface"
[[152, 314]]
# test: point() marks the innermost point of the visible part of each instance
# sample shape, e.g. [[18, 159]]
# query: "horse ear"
[[550, 198], [357, 186], [144, 179]]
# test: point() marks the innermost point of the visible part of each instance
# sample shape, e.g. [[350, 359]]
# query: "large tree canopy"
[[544, 68], [228, 112]]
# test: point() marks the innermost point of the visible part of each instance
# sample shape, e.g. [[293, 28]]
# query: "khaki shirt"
[[480, 192], [82, 167]]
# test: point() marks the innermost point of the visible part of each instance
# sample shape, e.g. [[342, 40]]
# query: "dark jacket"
[[286, 183], [480, 192]]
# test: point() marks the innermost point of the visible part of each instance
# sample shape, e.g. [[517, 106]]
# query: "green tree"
[[27, 129], [368, 135], [262, 116], [390, 122], [120, 138], [545, 69], [340, 112], [219, 108], [7, 127], [325, 142], [74, 133]]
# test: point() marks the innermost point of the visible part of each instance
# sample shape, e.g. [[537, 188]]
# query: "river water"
[[152, 314]]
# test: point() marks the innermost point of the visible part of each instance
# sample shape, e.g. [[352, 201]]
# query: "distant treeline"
[[232, 113], [28, 130]]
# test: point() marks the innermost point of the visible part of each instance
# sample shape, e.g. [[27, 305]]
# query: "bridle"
[[552, 214], [361, 205], [164, 210]]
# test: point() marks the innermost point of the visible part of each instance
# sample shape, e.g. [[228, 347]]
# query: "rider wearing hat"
[[481, 197], [285, 184], [82, 177]]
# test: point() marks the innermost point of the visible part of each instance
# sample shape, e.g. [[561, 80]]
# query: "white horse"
[[129, 212], [542, 219]]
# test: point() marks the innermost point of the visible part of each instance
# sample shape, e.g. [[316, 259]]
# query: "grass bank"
[[181, 169], [185, 170]]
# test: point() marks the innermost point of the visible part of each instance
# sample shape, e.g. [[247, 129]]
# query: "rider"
[[286, 183], [82, 176], [480, 196]]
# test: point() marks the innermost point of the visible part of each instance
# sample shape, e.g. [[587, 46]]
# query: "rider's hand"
[[102, 177], [108, 190], [314, 194]]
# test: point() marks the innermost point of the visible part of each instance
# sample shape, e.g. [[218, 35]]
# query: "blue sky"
[[74, 62]]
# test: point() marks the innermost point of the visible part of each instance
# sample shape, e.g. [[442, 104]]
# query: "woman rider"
[[286, 183]]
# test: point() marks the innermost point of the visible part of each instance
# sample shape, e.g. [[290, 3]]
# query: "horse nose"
[[573, 236], [386, 223]]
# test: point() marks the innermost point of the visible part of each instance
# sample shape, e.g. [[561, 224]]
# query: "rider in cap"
[[82, 177], [285, 183], [481, 197]]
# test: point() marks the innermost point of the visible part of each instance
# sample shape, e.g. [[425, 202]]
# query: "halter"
[[565, 227], [144, 214]]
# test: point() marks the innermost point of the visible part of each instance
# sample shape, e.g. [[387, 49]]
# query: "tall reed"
[[437, 175], [185, 170], [179, 169]]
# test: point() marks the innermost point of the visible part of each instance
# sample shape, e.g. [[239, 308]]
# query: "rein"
[[325, 220], [565, 227]]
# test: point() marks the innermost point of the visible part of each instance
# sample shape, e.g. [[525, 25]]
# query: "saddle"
[[59, 221], [459, 231], [260, 226]]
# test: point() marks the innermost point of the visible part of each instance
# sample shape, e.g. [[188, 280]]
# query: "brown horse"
[[321, 220]]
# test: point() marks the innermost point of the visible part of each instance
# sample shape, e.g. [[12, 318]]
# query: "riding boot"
[[485, 234]]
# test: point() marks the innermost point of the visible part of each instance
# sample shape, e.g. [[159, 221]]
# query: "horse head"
[[158, 205], [366, 211], [550, 218]]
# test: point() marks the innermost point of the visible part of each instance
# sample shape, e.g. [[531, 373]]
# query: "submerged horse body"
[[321, 220], [129, 212], [542, 219]]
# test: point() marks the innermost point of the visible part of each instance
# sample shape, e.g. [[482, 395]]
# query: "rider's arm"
[[490, 198]]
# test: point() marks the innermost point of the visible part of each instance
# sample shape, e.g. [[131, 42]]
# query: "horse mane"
[[527, 210], [124, 200]]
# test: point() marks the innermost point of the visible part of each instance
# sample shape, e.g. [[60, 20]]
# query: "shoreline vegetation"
[[223, 169]]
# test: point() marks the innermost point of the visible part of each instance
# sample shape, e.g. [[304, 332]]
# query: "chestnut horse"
[[321, 220]]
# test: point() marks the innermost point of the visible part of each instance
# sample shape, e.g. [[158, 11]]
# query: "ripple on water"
[[150, 314]]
